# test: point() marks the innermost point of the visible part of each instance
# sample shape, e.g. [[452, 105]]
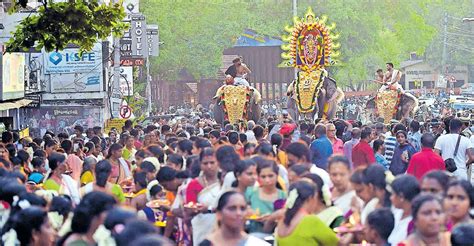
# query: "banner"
[[13, 76], [71, 61], [114, 123], [77, 82]]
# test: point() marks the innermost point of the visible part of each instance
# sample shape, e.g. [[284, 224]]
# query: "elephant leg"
[[292, 109], [255, 113], [219, 113]]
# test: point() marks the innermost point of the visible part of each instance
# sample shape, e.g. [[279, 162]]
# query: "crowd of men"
[[195, 182]]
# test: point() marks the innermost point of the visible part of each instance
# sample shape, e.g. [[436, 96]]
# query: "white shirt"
[[400, 230], [447, 143], [321, 173]]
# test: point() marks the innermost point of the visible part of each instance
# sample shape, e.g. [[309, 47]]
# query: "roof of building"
[[251, 38], [409, 63]]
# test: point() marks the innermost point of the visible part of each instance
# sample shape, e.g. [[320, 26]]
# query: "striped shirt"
[[390, 144]]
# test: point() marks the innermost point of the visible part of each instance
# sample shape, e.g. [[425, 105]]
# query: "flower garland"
[[247, 100], [313, 96]]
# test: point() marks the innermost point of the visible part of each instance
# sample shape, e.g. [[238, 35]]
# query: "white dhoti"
[[395, 86], [241, 81]]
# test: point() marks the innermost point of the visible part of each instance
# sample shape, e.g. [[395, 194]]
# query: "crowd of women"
[[200, 183]]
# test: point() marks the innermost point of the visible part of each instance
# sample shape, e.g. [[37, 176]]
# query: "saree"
[[203, 224]]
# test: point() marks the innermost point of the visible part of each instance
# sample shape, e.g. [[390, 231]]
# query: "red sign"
[[125, 112], [131, 62]]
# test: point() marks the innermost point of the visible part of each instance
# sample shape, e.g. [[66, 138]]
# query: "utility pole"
[[116, 71], [295, 13], [148, 85], [445, 43]]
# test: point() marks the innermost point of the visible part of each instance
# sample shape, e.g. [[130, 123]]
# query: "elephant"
[[330, 94], [254, 107], [406, 107]]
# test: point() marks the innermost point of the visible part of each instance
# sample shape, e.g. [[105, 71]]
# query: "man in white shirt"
[[446, 144]]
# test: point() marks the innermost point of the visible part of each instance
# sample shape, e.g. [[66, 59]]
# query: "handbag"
[[449, 163]]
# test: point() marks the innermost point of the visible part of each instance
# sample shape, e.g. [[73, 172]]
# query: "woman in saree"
[[120, 168], [60, 182], [201, 194]]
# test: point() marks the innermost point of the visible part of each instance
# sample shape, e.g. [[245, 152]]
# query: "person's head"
[[150, 170], [200, 144], [62, 205], [322, 191], [67, 146], [89, 164], [7, 137], [379, 225], [404, 189], [320, 130], [117, 218], [459, 200], [231, 210], [214, 136], [245, 173], [237, 61], [276, 140], [78, 130], [227, 158], [401, 137], [463, 234], [135, 229], [355, 133], [38, 164], [175, 161], [435, 182], [89, 148], [139, 179], [296, 171], [398, 127], [428, 140], [156, 151], [265, 149], [166, 176], [427, 214], [102, 172], [389, 66], [298, 153], [233, 137], [57, 163], [23, 156], [32, 226], [258, 131], [267, 171], [455, 125], [414, 126], [379, 146], [302, 195], [330, 130], [139, 157], [91, 211], [115, 151], [49, 146], [339, 170], [366, 134], [379, 72], [130, 142], [208, 162]]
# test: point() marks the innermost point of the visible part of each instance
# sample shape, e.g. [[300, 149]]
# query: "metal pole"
[[148, 86], [116, 71], [445, 41], [295, 13]]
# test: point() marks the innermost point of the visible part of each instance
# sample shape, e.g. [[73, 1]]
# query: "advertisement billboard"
[[13, 76], [77, 82], [72, 61]]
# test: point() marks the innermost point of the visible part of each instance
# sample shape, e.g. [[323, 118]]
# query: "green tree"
[[57, 24]]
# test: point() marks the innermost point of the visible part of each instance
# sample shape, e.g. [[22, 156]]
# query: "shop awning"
[[14, 104]]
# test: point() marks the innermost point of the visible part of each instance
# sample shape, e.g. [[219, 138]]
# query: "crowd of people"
[[195, 182]]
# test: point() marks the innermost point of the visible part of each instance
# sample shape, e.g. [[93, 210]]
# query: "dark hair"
[[319, 182], [61, 204], [266, 163], [10, 188], [406, 186], [66, 144], [55, 159], [214, 133], [249, 145], [91, 205], [366, 132], [320, 129], [227, 158], [415, 125], [233, 137], [440, 176], [32, 198], [151, 240], [299, 150], [117, 216], [240, 168], [140, 179], [463, 234], [7, 137], [25, 222], [89, 145], [202, 143], [265, 149], [379, 70], [208, 151], [112, 148], [399, 127], [276, 139], [466, 186], [157, 152], [378, 143], [36, 162], [299, 169], [243, 137], [258, 131], [166, 173], [455, 125], [383, 221], [186, 146], [176, 159], [148, 167], [134, 229], [155, 189], [419, 200], [305, 190], [102, 172], [79, 128], [339, 159], [224, 199], [428, 140], [11, 150], [357, 177], [375, 175], [39, 153], [390, 64], [24, 156], [141, 153]]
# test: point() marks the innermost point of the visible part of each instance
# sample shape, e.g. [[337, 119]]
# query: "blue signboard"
[[71, 61]]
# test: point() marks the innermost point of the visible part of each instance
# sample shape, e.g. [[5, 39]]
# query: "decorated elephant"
[[392, 104], [235, 103], [310, 102]]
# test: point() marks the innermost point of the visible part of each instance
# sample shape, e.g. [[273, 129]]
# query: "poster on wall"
[[13, 76], [76, 82], [62, 119], [71, 61]]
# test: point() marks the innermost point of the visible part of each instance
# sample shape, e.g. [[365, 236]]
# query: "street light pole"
[[295, 13]]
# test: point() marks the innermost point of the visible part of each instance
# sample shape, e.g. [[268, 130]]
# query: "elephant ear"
[[331, 87]]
